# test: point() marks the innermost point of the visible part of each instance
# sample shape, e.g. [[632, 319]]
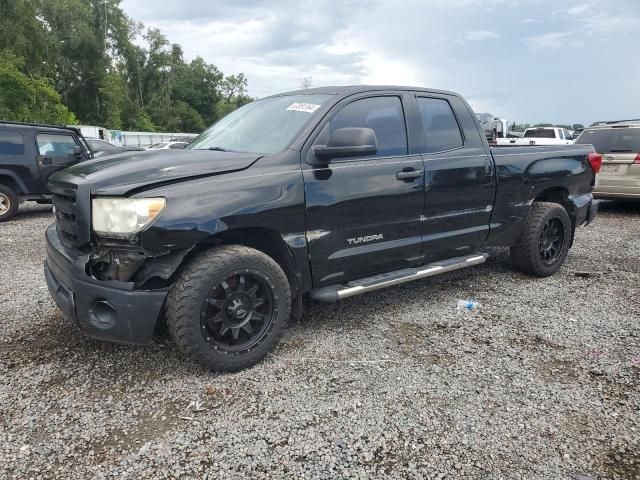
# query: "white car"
[[540, 136], [168, 146]]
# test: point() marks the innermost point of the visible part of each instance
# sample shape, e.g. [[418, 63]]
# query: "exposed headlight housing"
[[123, 217]]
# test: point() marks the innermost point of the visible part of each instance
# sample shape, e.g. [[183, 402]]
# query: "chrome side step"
[[333, 293]]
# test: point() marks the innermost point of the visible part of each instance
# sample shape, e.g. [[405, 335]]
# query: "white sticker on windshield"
[[303, 107]]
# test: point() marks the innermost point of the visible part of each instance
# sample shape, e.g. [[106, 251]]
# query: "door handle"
[[409, 174], [488, 167]]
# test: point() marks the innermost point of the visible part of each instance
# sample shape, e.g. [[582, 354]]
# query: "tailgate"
[[617, 164]]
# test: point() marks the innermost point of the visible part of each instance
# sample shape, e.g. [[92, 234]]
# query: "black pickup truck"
[[331, 192]]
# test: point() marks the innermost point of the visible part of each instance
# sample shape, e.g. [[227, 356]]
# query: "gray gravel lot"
[[541, 382]]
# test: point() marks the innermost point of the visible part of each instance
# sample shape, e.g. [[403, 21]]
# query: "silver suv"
[[619, 144]]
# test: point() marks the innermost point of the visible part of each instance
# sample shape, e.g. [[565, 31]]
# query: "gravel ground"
[[541, 382]]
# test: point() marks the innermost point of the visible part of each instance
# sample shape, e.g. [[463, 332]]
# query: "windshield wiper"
[[627, 150], [219, 149]]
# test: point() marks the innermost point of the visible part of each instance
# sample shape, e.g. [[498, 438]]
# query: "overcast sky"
[[562, 61]]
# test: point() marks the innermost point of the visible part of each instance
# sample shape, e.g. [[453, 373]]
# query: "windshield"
[[265, 126], [540, 133], [612, 140]]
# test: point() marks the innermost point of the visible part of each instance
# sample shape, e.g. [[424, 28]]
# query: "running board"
[[333, 293]]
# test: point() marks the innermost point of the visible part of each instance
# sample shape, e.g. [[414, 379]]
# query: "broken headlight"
[[122, 217]]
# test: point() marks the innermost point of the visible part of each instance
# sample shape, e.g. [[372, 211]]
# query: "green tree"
[[24, 35], [113, 100], [198, 85], [29, 99], [89, 52]]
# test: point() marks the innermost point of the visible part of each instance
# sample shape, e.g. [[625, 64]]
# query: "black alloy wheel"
[[228, 307], [544, 243], [551, 242], [238, 311]]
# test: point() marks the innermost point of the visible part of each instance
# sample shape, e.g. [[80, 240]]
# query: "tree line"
[[86, 61]]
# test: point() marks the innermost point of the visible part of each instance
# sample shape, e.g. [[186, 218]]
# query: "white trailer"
[[146, 139], [132, 139]]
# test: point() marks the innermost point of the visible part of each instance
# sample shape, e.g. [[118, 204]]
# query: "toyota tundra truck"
[[329, 192]]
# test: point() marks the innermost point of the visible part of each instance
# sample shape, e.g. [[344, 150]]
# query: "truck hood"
[[127, 172]]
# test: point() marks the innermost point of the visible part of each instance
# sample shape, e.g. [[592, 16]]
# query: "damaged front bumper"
[[106, 310]]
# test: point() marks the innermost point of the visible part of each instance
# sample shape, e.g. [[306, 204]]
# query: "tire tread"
[[524, 254], [180, 299]]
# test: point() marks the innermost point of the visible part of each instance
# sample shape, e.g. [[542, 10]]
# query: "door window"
[[440, 126], [384, 115], [55, 145], [11, 143]]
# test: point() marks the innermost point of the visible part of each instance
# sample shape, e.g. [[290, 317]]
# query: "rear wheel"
[[8, 203], [228, 307], [544, 244]]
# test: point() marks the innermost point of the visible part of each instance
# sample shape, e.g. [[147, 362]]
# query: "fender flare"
[[15, 178]]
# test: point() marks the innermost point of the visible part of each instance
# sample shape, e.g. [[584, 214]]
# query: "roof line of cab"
[[347, 90], [40, 125]]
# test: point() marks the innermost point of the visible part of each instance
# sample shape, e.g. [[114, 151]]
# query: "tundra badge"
[[368, 238]]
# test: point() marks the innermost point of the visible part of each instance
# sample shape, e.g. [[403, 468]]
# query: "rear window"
[[11, 143], [440, 125], [540, 133], [612, 140]]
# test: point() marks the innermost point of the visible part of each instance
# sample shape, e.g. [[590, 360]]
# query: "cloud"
[[579, 9], [481, 35], [556, 40], [380, 70], [441, 43], [596, 17]]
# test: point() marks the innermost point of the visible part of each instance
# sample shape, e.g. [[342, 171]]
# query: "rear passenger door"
[[363, 214], [56, 152], [459, 179]]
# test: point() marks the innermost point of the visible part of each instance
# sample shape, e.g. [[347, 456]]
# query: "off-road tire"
[[10, 197], [191, 288], [525, 254]]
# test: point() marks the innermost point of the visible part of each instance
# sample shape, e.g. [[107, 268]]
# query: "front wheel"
[[228, 307], [543, 246]]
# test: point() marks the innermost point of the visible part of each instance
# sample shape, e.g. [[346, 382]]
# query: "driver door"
[[363, 213]]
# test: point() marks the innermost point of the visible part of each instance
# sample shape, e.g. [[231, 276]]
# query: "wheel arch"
[[555, 195], [560, 195], [9, 180], [265, 240]]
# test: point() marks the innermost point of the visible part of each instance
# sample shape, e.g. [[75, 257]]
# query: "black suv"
[[29, 154]]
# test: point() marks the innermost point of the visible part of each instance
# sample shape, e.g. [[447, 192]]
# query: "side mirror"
[[75, 152], [347, 142]]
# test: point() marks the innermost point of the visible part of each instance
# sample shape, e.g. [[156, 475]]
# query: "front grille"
[[71, 200], [65, 205]]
